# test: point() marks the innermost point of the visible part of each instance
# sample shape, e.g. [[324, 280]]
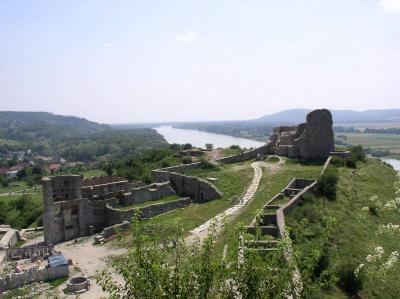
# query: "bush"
[[348, 281], [327, 183], [357, 153], [186, 160], [272, 159], [340, 162], [208, 165]]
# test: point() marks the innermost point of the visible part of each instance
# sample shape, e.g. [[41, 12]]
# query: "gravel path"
[[217, 223]]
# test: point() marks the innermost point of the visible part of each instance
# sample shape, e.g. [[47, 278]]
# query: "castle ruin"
[[76, 207]]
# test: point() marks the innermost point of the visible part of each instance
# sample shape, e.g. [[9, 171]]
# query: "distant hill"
[[73, 138], [29, 125], [339, 116]]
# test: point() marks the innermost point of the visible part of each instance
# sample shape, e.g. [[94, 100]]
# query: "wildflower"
[[373, 198], [379, 251], [365, 209], [358, 269]]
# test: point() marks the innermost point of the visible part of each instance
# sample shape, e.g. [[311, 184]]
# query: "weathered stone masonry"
[[74, 207]]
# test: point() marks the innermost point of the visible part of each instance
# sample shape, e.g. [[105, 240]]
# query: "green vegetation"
[[73, 138], [375, 142], [21, 211], [148, 203], [138, 167], [195, 214], [174, 270], [232, 150], [271, 183], [354, 233]]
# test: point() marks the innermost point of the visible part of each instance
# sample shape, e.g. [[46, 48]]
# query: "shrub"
[[208, 165], [272, 159], [351, 163], [327, 183], [186, 160], [357, 153], [234, 147], [373, 210], [338, 161], [348, 281]]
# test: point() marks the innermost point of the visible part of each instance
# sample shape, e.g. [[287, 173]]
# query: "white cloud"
[[390, 5], [185, 37], [106, 45]]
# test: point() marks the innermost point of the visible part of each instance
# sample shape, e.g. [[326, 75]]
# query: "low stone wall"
[[34, 274], [111, 230], [327, 163], [10, 237], [198, 189], [162, 175], [115, 216], [146, 193], [40, 251], [251, 154]]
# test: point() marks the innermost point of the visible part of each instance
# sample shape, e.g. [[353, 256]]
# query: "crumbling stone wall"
[[115, 216], [34, 274], [251, 154], [146, 193], [311, 140], [198, 189]]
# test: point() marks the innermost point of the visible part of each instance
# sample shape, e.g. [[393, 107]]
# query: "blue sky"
[[139, 61]]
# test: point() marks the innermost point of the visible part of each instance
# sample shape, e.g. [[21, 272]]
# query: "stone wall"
[[34, 274], [111, 230], [146, 193], [39, 251], [198, 189], [311, 140], [251, 154], [162, 175], [115, 216]]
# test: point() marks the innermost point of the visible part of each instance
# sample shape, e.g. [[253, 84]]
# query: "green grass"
[[354, 235], [232, 181], [231, 151], [270, 185], [148, 203], [10, 142], [93, 172], [15, 186]]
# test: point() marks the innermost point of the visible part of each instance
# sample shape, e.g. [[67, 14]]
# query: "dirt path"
[[218, 222], [88, 260]]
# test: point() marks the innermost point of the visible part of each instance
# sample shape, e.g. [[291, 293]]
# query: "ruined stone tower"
[[55, 189], [311, 140]]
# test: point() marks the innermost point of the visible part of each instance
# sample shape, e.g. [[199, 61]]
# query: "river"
[[199, 138], [394, 162]]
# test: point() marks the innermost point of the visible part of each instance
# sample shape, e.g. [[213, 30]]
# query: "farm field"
[[375, 141], [362, 126]]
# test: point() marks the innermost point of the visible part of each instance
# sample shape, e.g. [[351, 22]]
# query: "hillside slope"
[[354, 235], [29, 125]]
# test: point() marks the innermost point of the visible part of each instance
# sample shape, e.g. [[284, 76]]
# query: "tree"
[[187, 146], [209, 146], [30, 182], [109, 170], [21, 174], [4, 181]]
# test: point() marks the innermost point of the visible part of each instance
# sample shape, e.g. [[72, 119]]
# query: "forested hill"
[[73, 138], [30, 125]]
